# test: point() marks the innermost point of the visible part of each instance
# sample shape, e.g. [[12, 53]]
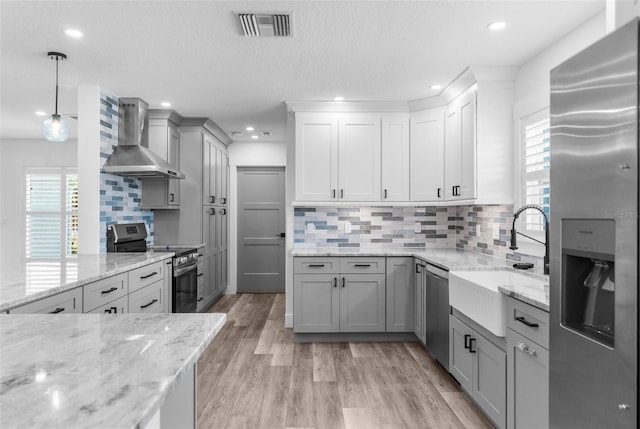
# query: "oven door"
[[185, 289]]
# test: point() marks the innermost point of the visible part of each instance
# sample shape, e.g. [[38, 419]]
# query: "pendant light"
[[55, 128]]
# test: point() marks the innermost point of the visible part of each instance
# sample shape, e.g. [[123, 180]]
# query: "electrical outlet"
[[496, 231], [311, 228], [347, 227], [417, 227]]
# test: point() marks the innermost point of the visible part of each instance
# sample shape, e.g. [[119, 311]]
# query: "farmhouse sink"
[[476, 294]]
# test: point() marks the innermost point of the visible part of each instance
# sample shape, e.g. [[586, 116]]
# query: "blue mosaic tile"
[[117, 208], [499, 243], [337, 240], [348, 244], [111, 182], [482, 245], [117, 188], [117, 198]]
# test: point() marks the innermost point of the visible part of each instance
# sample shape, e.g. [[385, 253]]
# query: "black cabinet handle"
[[466, 340], [212, 199], [171, 198], [109, 290], [112, 310], [362, 265], [153, 301], [341, 193], [149, 275], [418, 268], [526, 322], [223, 201], [343, 282], [315, 265], [200, 299], [201, 274], [472, 341], [439, 191], [333, 192], [57, 310], [385, 193], [335, 282], [212, 212]]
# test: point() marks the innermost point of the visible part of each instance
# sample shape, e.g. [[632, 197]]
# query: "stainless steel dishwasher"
[[437, 309]]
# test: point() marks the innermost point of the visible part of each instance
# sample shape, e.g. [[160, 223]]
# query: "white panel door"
[[468, 147], [316, 157], [427, 155], [359, 158], [395, 158], [452, 152]]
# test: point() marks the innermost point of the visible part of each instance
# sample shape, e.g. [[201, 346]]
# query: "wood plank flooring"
[[254, 376]]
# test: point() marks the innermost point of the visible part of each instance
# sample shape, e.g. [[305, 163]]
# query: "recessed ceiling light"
[[436, 86], [498, 25], [338, 98], [72, 32], [249, 128], [41, 113], [254, 136], [165, 104]]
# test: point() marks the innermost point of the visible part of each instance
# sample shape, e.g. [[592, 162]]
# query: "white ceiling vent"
[[265, 25]]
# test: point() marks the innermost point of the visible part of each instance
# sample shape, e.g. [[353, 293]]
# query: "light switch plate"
[[417, 227]]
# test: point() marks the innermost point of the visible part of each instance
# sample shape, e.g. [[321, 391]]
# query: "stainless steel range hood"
[[132, 156]]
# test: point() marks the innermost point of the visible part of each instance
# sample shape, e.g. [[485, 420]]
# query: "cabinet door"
[[219, 172], [224, 228], [149, 299], [173, 158], [427, 155], [209, 163], [419, 302], [316, 303], [66, 302], [224, 189], [490, 379], [316, 157], [400, 278], [219, 284], [211, 287], [395, 159], [453, 152], [359, 158], [210, 220], [362, 303], [224, 268], [460, 144], [117, 306], [461, 360], [528, 383]]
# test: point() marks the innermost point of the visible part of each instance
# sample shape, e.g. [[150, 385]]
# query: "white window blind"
[[536, 157], [51, 213]]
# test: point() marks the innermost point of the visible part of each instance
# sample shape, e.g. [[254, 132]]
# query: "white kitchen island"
[[100, 370]]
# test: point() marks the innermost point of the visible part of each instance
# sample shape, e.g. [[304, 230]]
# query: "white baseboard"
[[288, 320]]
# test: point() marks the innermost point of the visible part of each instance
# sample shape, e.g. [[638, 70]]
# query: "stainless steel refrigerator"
[[593, 381]]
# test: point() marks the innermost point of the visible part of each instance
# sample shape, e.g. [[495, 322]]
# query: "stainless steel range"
[[131, 237]]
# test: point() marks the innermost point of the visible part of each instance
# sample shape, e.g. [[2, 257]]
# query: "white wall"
[[16, 156], [247, 154], [532, 93]]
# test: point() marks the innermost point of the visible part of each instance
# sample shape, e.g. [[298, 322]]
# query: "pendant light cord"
[[57, 58]]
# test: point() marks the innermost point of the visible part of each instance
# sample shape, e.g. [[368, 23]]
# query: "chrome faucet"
[[546, 233]]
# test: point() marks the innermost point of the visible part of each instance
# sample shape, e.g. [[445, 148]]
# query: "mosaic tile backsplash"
[[119, 196], [482, 229]]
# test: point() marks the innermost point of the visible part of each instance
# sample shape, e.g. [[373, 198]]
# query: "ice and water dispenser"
[[588, 278]]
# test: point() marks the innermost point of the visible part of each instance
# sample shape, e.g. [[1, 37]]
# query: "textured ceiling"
[[192, 53]]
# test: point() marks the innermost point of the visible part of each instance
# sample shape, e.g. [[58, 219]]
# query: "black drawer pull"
[[472, 341], [526, 322], [148, 275], [335, 282], [439, 190], [362, 265], [153, 301], [201, 274], [316, 265], [343, 281], [57, 310], [109, 290], [466, 341]]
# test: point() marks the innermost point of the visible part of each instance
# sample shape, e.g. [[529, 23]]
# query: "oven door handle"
[[177, 272]]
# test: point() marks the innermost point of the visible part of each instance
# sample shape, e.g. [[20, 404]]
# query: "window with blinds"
[[536, 157], [51, 213]]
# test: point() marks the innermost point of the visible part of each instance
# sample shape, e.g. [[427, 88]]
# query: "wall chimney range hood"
[[132, 157]]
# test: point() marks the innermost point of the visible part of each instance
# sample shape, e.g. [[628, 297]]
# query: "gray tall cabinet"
[[204, 195]]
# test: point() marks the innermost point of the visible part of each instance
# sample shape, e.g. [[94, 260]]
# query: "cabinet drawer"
[[140, 277], [65, 302], [529, 321], [149, 299], [99, 293], [118, 306], [361, 265], [316, 265]]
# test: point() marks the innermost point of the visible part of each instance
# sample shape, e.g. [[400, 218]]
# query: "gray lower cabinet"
[[527, 366], [66, 302], [481, 369], [419, 301], [339, 295], [400, 287]]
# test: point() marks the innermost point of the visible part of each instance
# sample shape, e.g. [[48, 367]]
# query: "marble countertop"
[[450, 259], [95, 370], [39, 279], [170, 247]]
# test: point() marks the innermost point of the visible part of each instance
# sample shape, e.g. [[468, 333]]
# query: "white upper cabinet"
[[359, 158], [316, 157], [395, 158], [460, 148], [427, 155]]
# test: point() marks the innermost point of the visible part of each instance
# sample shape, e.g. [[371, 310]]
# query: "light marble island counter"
[[97, 370], [451, 260], [39, 279]]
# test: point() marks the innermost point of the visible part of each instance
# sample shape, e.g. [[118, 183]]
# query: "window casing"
[[536, 146]]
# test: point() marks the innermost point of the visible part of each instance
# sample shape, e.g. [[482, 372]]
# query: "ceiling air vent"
[[266, 133], [265, 25]]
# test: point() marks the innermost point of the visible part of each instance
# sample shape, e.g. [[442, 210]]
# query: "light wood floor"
[[254, 376]]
